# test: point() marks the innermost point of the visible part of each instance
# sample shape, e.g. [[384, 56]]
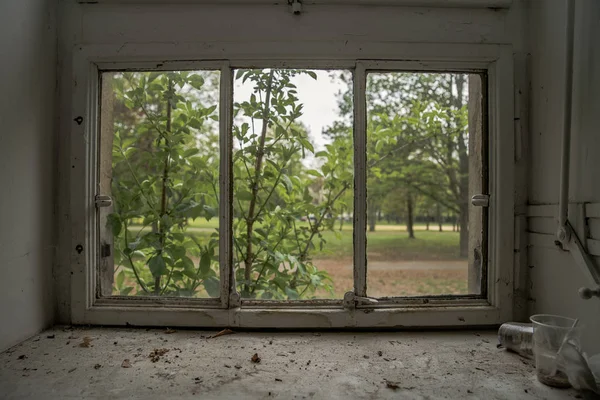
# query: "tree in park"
[[417, 139], [165, 174]]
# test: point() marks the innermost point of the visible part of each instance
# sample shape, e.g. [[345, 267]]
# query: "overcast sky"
[[319, 98]]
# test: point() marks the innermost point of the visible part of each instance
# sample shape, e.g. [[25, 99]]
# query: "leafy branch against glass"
[[292, 183], [292, 186], [159, 162]]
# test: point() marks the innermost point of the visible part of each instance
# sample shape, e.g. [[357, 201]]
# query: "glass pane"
[[424, 162], [292, 168], [159, 161]]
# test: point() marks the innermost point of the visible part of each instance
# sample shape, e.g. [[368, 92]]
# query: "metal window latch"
[[481, 200], [103, 201], [351, 300], [235, 300]]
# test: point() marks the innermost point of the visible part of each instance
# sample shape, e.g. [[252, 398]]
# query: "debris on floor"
[[222, 333], [392, 385], [156, 354], [87, 342], [323, 367]]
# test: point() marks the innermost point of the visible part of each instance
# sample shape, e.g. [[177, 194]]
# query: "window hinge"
[[105, 250], [481, 200], [235, 300], [351, 300], [103, 201]]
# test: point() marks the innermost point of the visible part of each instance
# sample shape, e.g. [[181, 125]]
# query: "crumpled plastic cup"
[[549, 332], [594, 363]]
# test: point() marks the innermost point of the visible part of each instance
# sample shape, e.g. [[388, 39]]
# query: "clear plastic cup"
[[548, 334]]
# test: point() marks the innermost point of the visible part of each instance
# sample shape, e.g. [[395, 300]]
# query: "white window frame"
[[228, 310]]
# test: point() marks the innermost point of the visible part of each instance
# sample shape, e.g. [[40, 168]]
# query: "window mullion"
[[360, 181], [226, 185]]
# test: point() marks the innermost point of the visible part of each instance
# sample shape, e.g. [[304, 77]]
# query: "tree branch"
[[257, 171]]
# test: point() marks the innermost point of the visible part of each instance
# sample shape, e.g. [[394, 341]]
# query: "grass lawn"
[[387, 242], [388, 245]]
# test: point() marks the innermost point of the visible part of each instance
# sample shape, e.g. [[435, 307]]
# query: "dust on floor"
[[113, 363]]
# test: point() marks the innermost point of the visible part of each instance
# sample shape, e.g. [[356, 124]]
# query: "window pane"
[[159, 161], [292, 170], [424, 162]]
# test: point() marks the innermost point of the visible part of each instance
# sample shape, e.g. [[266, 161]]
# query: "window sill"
[[403, 3], [320, 365], [459, 315]]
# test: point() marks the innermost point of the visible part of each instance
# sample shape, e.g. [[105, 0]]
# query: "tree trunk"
[[372, 217], [426, 222], [438, 211], [409, 217], [463, 223]]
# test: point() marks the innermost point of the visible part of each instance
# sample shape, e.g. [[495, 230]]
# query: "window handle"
[[103, 201], [481, 200], [351, 300]]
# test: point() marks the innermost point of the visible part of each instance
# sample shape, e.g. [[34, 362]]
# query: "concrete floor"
[[82, 363]]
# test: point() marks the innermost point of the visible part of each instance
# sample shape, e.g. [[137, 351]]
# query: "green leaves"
[[204, 266], [291, 293], [157, 265], [244, 195], [114, 222], [196, 81], [306, 144], [212, 286], [269, 203], [165, 175], [210, 212], [289, 186]]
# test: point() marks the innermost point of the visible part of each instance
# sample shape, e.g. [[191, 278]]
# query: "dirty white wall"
[[554, 276], [27, 165], [130, 28]]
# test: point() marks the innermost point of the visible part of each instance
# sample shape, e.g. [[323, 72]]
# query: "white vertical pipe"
[[566, 138]]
